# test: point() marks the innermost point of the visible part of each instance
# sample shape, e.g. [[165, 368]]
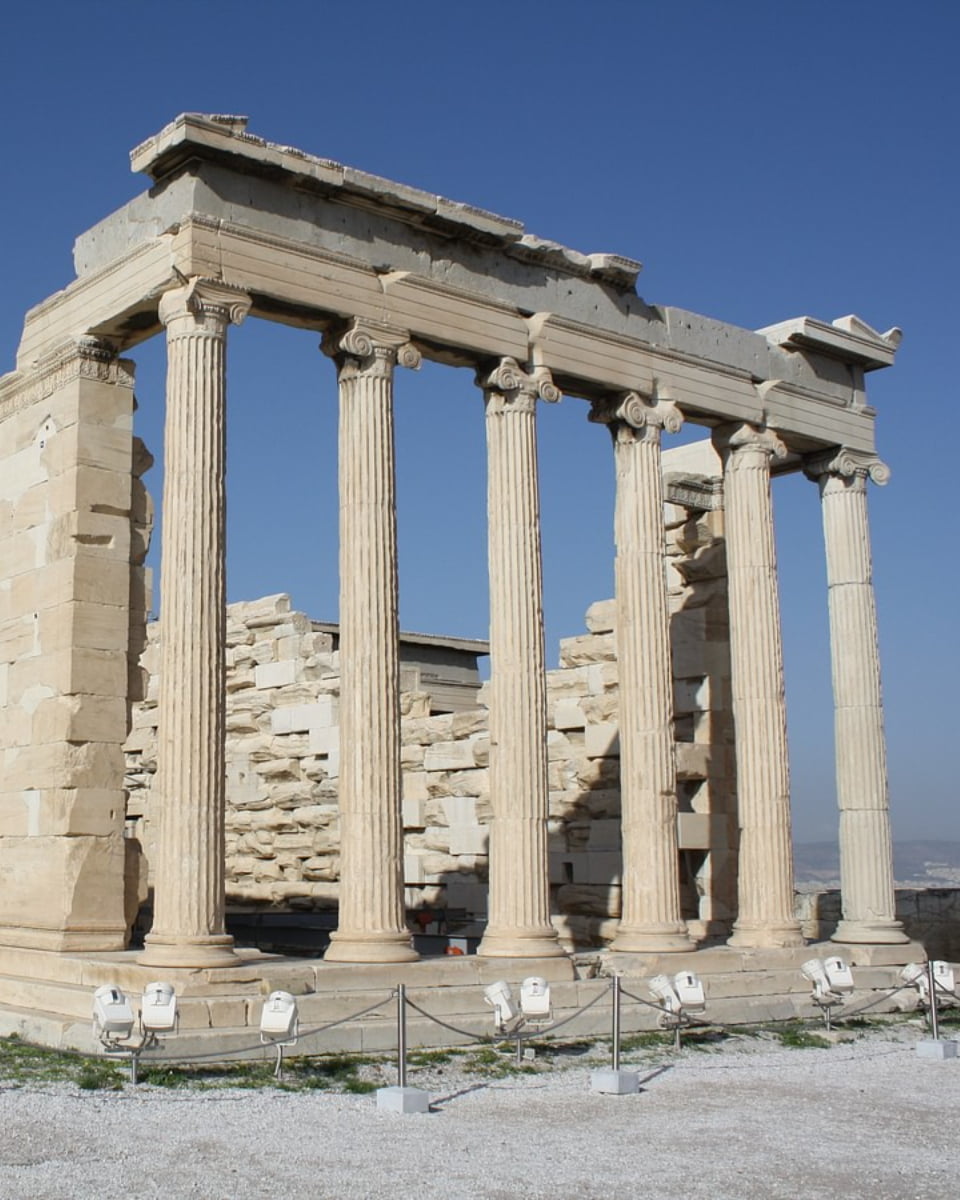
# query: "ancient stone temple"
[[234, 227]]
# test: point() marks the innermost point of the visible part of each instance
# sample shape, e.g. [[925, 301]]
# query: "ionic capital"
[[509, 388], [366, 348], [203, 306], [741, 438], [850, 465], [635, 417]]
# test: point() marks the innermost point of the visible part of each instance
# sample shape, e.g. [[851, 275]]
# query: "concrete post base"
[[403, 1100], [614, 1083], [938, 1050]]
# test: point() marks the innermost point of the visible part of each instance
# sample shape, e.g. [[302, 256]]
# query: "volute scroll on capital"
[[637, 414], [209, 302], [363, 347], [742, 437], [846, 464], [508, 386]]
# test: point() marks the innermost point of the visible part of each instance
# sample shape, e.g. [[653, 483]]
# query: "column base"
[[518, 944], [370, 948], [870, 933], [213, 951], [764, 936], [653, 939]]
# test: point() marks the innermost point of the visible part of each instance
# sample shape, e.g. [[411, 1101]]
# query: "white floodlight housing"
[[158, 1010], [916, 973], [112, 1015], [689, 991], [944, 979], [535, 999], [839, 975], [498, 996], [815, 970], [661, 987], [279, 1018]]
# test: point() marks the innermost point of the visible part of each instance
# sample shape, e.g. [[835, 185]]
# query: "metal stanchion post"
[[402, 1035], [612, 1080], [934, 1047], [934, 1016], [402, 1099], [616, 1023]]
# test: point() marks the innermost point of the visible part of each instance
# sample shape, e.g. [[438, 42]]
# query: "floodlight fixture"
[[279, 1019], [113, 1018], [500, 999], [535, 1000], [916, 974], [689, 991], [663, 990], [839, 975], [815, 971], [158, 1009]]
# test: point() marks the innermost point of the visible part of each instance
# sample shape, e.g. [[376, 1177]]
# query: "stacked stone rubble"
[[283, 751]]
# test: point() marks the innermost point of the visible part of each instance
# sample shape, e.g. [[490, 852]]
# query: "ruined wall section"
[[283, 762]]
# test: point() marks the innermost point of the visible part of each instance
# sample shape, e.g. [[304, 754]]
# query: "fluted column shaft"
[[650, 919], [188, 925], [765, 881], [371, 925], [866, 856], [518, 922]]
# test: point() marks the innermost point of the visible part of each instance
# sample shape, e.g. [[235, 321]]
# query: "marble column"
[[518, 924], [188, 867], [866, 855], [371, 925], [765, 899], [650, 920]]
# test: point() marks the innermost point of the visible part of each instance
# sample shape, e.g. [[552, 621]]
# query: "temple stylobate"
[[386, 276]]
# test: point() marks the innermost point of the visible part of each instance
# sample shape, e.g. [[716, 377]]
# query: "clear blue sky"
[[763, 160]]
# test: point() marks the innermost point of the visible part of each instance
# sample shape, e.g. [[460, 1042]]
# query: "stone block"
[[469, 839], [693, 760], [568, 714], [301, 718], [602, 741], [693, 831], [448, 756], [275, 674], [324, 739], [602, 616]]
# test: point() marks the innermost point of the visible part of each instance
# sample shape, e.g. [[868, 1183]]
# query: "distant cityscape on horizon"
[[920, 863]]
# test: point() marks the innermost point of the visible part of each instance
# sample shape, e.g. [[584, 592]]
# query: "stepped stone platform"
[[46, 998]]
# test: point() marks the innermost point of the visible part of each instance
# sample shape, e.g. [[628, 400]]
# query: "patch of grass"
[[798, 1038], [360, 1087], [429, 1058], [98, 1076], [646, 1040]]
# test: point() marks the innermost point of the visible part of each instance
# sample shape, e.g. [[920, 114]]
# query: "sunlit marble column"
[[765, 883], [650, 920], [371, 925], [188, 867], [518, 923], [866, 855]]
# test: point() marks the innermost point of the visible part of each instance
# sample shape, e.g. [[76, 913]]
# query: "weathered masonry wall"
[[283, 752], [74, 522]]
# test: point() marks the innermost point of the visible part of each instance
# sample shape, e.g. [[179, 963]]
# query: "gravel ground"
[[747, 1118]]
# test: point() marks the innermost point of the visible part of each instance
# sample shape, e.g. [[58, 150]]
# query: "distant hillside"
[[930, 864]]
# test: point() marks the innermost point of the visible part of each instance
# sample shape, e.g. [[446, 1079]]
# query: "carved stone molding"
[[848, 464], [510, 388]]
